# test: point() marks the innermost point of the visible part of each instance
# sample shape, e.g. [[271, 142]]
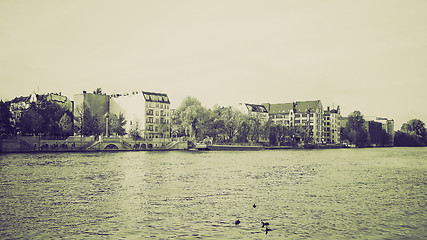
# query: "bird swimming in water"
[[265, 224], [254, 205], [267, 230], [237, 222]]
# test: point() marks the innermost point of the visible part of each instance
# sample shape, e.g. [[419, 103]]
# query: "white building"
[[258, 111], [148, 112]]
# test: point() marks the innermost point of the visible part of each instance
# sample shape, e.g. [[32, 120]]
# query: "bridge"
[[129, 144], [121, 144]]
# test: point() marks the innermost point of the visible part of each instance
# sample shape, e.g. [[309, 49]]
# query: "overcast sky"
[[369, 56]]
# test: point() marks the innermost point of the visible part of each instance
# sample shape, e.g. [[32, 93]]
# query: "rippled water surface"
[[319, 194]]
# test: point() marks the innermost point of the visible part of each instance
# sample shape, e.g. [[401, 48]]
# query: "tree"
[[190, 117], [135, 131], [87, 122], [66, 124], [355, 130], [254, 128], [412, 134], [31, 122], [5, 119], [116, 124], [416, 127], [232, 120], [52, 114]]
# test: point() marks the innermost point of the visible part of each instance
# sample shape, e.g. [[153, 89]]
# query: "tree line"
[[48, 118], [229, 125], [222, 125]]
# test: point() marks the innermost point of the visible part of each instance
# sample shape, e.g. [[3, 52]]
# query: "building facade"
[[300, 115], [19, 104], [332, 126], [386, 124], [258, 111], [97, 102], [147, 111]]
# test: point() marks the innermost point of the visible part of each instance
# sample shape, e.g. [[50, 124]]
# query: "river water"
[[377, 193]]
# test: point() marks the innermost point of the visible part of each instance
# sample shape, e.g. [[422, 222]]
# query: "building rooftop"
[[306, 106], [299, 106], [156, 97], [256, 108]]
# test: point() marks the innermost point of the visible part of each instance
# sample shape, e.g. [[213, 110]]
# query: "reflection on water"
[[342, 193]]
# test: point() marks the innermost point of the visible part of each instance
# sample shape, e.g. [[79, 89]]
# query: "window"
[[150, 120], [150, 127], [157, 121]]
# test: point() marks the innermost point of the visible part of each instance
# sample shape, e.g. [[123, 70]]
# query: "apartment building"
[[148, 111], [256, 110], [386, 124], [97, 102], [19, 104], [332, 125], [299, 115]]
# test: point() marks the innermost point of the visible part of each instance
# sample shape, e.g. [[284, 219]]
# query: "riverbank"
[[28, 144]]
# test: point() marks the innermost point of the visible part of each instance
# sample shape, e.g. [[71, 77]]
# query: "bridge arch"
[[111, 146]]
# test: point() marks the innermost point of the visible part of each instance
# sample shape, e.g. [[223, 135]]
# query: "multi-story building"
[[19, 104], [299, 115], [332, 125], [148, 111], [97, 102], [258, 111], [375, 133], [387, 126]]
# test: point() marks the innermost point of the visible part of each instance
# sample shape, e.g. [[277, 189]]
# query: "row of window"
[[156, 105], [297, 115], [157, 120], [151, 112]]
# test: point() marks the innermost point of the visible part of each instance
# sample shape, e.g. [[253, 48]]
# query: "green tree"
[[117, 124], [66, 124], [232, 119], [254, 128], [52, 114], [355, 130], [412, 134], [243, 133], [190, 117], [416, 127], [31, 122], [135, 131], [87, 122]]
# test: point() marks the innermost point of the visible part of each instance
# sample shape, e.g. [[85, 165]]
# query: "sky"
[[366, 55]]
